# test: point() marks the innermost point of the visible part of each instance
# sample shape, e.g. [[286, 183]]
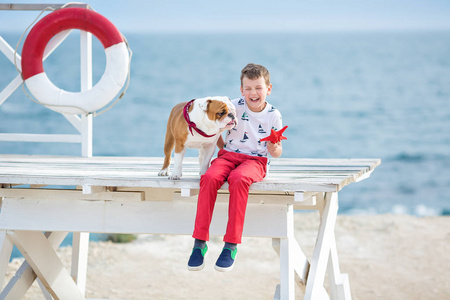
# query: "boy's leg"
[[210, 183], [252, 169]]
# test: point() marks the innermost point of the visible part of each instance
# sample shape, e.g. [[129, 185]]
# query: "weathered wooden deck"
[[286, 174], [58, 194]]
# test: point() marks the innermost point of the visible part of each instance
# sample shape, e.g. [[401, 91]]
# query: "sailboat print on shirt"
[[245, 138], [261, 129], [244, 116]]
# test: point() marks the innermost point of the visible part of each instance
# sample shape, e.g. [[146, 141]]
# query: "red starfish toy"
[[275, 136]]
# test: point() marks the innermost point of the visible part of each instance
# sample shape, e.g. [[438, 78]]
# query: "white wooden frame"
[[128, 189], [83, 123], [59, 216]]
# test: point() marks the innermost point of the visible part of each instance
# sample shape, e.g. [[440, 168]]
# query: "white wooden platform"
[[125, 195]]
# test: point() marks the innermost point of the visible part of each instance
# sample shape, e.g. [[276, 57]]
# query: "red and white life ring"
[[109, 85]]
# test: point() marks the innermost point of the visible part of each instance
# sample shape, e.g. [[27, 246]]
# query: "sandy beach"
[[385, 256]]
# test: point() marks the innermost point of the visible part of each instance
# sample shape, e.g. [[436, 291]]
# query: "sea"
[[343, 95]]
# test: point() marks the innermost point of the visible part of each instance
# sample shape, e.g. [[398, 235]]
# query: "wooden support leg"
[[287, 287], [284, 248], [41, 256], [6, 247], [339, 283], [80, 247], [25, 276], [47, 295], [314, 287]]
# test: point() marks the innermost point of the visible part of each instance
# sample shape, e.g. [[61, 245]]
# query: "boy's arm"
[[220, 142], [275, 150]]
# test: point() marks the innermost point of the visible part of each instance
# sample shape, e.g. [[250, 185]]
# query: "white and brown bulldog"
[[196, 124]]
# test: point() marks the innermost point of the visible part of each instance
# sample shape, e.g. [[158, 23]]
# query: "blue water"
[[343, 95]]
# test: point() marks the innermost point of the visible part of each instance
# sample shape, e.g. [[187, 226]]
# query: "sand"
[[385, 256]]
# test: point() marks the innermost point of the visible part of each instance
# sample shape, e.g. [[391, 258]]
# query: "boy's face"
[[255, 92]]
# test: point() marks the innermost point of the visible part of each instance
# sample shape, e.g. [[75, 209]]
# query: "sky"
[[257, 16]]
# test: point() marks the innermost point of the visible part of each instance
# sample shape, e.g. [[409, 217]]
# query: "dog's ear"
[[204, 105]]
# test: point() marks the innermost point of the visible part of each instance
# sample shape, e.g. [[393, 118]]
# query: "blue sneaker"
[[225, 262], [197, 260]]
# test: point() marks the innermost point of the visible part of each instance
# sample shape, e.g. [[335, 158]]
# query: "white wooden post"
[[80, 243], [339, 283], [25, 276], [325, 238], [86, 84], [287, 276], [46, 264], [6, 247]]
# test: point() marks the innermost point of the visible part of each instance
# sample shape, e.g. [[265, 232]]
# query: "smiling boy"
[[241, 161]]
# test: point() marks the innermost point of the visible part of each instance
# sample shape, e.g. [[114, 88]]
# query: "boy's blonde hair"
[[254, 71]]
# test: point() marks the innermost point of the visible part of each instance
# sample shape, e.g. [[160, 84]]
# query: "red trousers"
[[241, 171]]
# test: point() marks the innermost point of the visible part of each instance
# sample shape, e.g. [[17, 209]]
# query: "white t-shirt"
[[251, 128]]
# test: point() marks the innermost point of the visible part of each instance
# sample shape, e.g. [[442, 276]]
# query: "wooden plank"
[[39, 7], [25, 276], [319, 185], [36, 249], [150, 194], [90, 170], [9, 89], [279, 171], [287, 287], [56, 194], [160, 217], [132, 172], [9, 52], [261, 198], [6, 247], [41, 138], [187, 160], [339, 283], [80, 248], [319, 260]]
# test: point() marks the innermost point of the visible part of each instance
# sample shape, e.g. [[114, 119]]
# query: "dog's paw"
[[163, 172], [174, 177]]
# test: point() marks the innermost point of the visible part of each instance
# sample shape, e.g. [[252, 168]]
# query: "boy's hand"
[[275, 150]]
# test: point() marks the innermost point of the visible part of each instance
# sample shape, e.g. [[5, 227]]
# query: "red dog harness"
[[192, 125]]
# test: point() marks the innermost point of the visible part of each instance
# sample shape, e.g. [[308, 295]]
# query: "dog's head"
[[221, 111]]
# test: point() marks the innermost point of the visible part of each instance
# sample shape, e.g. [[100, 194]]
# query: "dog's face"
[[221, 111]]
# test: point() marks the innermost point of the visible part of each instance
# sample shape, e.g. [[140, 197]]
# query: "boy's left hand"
[[274, 149]]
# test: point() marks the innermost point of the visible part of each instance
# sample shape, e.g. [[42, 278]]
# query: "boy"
[[241, 161]]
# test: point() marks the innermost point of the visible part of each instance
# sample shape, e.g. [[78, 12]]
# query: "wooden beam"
[[159, 217], [80, 248], [41, 256], [319, 260], [25, 276], [55, 194], [12, 6], [6, 247], [40, 138]]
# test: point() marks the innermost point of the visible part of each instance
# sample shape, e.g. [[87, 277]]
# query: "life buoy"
[[109, 85]]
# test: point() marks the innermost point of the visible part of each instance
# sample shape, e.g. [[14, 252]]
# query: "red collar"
[[192, 125]]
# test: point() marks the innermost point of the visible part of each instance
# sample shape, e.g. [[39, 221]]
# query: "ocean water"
[[343, 95]]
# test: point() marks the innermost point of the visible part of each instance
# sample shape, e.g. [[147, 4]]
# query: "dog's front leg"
[[177, 165], [204, 157]]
